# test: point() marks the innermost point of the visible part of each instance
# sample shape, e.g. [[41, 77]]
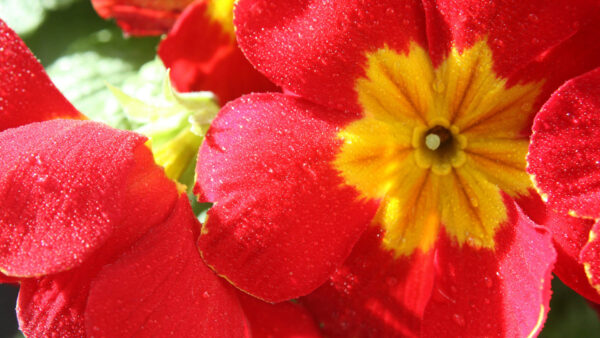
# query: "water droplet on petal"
[[499, 43], [458, 319], [526, 107], [533, 17], [474, 241], [438, 86], [474, 201]]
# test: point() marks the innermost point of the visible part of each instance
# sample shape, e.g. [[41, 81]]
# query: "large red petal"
[[317, 48], [504, 292], [569, 235], [161, 287], [278, 320], [66, 187], [518, 31], [26, 92], [590, 257], [451, 289], [283, 220], [141, 17], [374, 294], [202, 55], [55, 304], [564, 155]]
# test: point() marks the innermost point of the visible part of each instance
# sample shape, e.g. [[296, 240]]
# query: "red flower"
[[200, 49], [142, 17], [394, 182], [202, 53], [100, 240], [564, 160]]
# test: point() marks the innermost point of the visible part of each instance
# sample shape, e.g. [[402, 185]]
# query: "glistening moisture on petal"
[[437, 145]]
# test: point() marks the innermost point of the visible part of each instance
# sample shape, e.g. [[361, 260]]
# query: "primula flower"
[[200, 48], [100, 240], [564, 161], [202, 53], [394, 175], [142, 17]]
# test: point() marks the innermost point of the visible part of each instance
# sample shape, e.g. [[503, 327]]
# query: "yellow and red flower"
[[200, 48], [393, 179], [202, 53], [100, 240]]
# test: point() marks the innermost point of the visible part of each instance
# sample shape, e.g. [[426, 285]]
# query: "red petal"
[[504, 292], [164, 288], [564, 154], [569, 235], [282, 219], [317, 48], [519, 32], [26, 92], [278, 320], [141, 17], [202, 55], [374, 294], [590, 257], [53, 306], [7, 279], [451, 290], [66, 187]]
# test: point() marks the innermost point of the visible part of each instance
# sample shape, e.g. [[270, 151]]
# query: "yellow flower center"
[[437, 145]]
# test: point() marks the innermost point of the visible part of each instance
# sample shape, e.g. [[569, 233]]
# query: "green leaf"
[[92, 62], [570, 315]]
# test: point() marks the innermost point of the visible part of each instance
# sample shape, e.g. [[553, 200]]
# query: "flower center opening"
[[439, 147], [438, 137]]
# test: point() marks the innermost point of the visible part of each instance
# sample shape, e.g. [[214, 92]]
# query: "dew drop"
[[458, 319], [533, 17], [499, 43], [205, 294], [438, 86], [451, 270], [488, 282], [486, 300], [526, 107], [474, 241]]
